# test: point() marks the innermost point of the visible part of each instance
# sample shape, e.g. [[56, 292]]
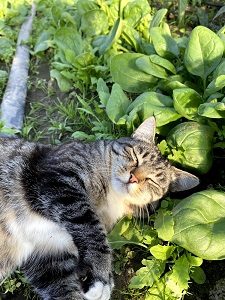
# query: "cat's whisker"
[[146, 209], [153, 207]]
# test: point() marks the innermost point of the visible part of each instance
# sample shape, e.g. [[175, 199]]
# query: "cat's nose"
[[133, 178]]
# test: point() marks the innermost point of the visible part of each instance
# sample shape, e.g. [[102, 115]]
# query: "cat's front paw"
[[99, 291]]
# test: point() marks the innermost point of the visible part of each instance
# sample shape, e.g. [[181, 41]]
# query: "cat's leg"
[[95, 260], [54, 277]]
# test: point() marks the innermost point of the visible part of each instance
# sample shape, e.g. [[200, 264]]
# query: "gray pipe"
[[13, 102]]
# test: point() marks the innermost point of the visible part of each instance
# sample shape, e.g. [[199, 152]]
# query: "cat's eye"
[[131, 155], [150, 179], [134, 158]]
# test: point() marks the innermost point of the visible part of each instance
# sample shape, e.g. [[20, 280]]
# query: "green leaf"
[[156, 59], [94, 22], [186, 103], [162, 252], [216, 85], [220, 70], [191, 146], [86, 6], [103, 91], [199, 230], [151, 103], [144, 64], [172, 83], [212, 110], [126, 232], [115, 236], [147, 275], [164, 44], [158, 17], [204, 52], [6, 48], [3, 77], [198, 275], [178, 279], [117, 103], [194, 261], [44, 41], [213, 97], [160, 291], [220, 12], [112, 37], [134, 11], [64, 84], [125, 72], [80, 135], [164, 225], [69, 41], [182, 5]]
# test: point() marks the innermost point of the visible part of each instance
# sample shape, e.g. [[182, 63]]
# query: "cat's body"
[[56, 204]]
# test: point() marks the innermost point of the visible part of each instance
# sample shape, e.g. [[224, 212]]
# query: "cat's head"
[[140, 174]]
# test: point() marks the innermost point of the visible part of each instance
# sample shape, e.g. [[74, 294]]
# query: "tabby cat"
[[58, 202]]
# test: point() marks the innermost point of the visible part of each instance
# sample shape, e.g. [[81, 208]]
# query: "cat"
[[57, 204]]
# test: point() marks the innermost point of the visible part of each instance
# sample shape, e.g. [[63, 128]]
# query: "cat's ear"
[[146, 131], [181, 180]]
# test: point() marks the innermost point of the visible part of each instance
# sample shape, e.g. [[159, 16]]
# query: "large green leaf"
[[70, 42], [94, 22], [126, 73], [199, 223], [154, 104], [191, 146], [117, 103], [186, 102], [135, 10], [204, 52], [164, 44]]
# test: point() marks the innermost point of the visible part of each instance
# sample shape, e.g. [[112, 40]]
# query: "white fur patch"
[[98, 291], [35, 233]]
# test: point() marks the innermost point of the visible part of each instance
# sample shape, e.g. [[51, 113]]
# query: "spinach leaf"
[[186, 103], [125, 72], [70, 42], [191, 146], [146, 65], [216, 85], [94, 22], [117, 104], [212, 110], [164, 44], [154, 104], [203, 53], [199, 230]]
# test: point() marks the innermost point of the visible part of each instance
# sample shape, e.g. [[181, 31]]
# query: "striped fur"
[[58, 202]]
